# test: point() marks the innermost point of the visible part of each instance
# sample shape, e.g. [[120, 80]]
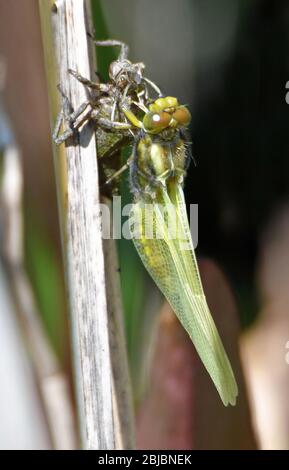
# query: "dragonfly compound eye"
[[183, 116], [162, 104], [156, 122]]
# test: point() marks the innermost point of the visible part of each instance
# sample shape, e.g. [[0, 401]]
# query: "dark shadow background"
[[231, 65], [241, 142]]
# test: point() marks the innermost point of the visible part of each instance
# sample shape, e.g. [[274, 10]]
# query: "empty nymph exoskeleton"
[[126, 87]]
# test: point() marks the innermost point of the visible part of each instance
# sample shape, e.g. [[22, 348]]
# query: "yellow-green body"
[[169, 256]]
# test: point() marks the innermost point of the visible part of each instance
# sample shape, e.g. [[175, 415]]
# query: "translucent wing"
[[175, 271]]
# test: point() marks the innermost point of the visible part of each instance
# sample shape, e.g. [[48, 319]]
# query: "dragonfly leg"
[[113, 125], [67, 114], [93, 89], [135, 122], [133, 175], [83, 80], [58, 139], [153, 86], [113, 110], [124, 49], [80, 110], [152, 182], [119, 172], [66, 106], [63, 115]]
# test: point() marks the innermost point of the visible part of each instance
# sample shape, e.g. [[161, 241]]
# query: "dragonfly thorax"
[[159, 161]]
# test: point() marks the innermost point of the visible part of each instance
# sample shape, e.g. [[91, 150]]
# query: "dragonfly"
[[158, 168], [159, 225]]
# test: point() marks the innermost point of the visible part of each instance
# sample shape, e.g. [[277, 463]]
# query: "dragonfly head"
[[166, 113]]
